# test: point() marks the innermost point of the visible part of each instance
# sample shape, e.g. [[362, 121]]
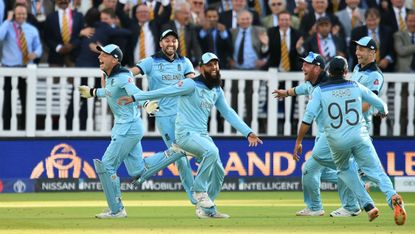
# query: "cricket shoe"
[[203, 199], [342, 212], [308, 212], [107, 214], [202, 214], [399, 212], [373, 214]]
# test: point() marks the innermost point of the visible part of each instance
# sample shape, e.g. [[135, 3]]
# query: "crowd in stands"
[[245, 34]]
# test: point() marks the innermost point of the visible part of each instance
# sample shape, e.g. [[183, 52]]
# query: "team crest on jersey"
[[179, 67], [161, 68], [130, 80], [376, 82], [180, 83]]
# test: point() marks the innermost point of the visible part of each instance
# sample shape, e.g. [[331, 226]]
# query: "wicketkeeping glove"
[[86, 92], [151, 107]]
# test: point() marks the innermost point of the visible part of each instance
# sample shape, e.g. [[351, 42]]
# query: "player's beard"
[[169, 52], [213, 81]]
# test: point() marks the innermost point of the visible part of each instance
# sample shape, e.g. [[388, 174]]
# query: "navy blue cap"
[[366, 42], [111, 49], [167, 33], [314, 58]]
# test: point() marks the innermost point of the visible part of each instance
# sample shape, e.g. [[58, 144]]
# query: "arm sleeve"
[[372, 99], [302, 89], [37, 45], [182, 87], [145, 65], [375, 82], [188, 67], [100, 92], [230, 115], [126, 82], [3, 29], [313, 107]]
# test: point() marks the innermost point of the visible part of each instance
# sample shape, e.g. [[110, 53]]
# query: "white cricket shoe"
[[308, 212], [203, 215], [203, 199], [107, 214], [342, 212]]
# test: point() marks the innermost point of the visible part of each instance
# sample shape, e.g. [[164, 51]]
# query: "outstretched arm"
[[182, 87], [302, 89], [230, 115]]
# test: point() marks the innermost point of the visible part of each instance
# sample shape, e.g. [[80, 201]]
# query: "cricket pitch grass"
[[170, 212]]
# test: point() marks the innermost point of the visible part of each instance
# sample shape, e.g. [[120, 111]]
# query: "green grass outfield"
[[169, 212]]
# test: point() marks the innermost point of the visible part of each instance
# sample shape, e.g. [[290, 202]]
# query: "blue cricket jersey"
[[118, 84], [340, 103], [371, 77], [162, 72], [195, 104], [307, 88]]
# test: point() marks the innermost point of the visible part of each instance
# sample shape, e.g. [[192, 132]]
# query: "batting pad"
[[110, 185]]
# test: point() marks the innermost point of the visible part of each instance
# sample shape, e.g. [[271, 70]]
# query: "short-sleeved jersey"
[[195, 104], [162, 72], [340, 103], [371, 77], [118, 84], [307, 88]]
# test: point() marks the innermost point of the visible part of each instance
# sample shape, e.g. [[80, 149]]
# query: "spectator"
[[149, 29], [230, 18], [197, 12], [215, 38], [404, 43], [323, 41], [122, 19], [188, 40], [221, 5], [109, 17], [282, 52], [300, 9], [405, 62], [381, 34], [259, 6], [278, 6], [251, 46], [62, 37], [395, 16], [21, 45], [319, 9], [351, 17], [251, 43], [104, 33]]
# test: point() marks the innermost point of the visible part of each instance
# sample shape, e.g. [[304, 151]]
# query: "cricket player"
[[367, 73], [127, 131], [163, 69], [340, 103], [196, 99], [320, 166]]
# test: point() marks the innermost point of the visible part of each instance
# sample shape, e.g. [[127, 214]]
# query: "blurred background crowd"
[[245, 34]]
